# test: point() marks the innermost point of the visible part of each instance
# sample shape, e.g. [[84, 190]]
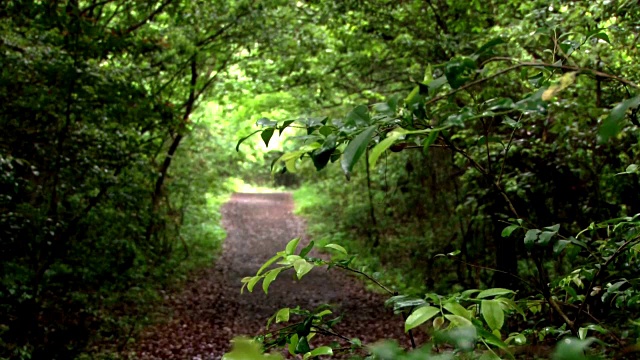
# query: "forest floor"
[[210, 310]]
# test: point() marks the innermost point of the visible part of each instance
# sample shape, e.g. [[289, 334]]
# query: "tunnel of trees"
[[480, 158]]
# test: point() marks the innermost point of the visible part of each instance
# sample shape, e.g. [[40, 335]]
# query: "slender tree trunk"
[[373, 232], [164, 168]]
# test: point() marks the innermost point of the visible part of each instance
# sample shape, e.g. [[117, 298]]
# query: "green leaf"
[[303, 345], [420, 316], [266, 122], [290, 164], [489, 355], [458, 70], [433, 136], [437, 83], [603, 36], [399, 305], [337, 248], [458, 321], [302, 267], [506, 232], [499, 104], [457, 309], [461, 337], [285, 124], [293, 342], [325, 130], [512, 123], [613, 124], [553, 228], [492, 339], [306, 249], [355, 149], [323, 313], [542, 30], [322, 155], [244, 283], [633, 168], [533, 103], [571, 349], [530, 238], [268, 263], [518, 339], [383, 145], [545, 237], [468, 293], [289, 260], [290, 158], [582, 333], [510, 304], [266, 135], [599, 34], [291, 246], [254, 280], [245, 138], [247, 349], [428, 74], [492, 314], [269, 277], [358, 117], [322, 350], [413, 95], [438, 322], [489, 45], [559, 246], [460, 118], [494, 292], [282, 315]]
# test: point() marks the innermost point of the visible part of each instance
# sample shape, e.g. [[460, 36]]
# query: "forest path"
[[210, 310]]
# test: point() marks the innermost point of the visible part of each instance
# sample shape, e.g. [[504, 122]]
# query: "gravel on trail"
[[209, 311]]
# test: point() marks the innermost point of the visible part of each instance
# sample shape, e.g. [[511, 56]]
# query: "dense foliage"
[[510, 165], [106, 155], [486, 145]]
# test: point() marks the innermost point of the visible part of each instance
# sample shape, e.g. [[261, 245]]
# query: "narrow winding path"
[[210, 311]]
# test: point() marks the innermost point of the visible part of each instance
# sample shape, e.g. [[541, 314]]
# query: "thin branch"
[[441, 24], [220, 31], [410, 333], [609, 332], [532, 64], [368, 277], [325, 331], [506, 152], [148, 18], [596, 277], [486, 142], [499, 271]]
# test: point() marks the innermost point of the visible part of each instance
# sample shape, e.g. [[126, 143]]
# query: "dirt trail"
[[210, 311]]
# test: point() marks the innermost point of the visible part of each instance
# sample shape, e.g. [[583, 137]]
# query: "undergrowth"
[[315, 206], [126, 312]]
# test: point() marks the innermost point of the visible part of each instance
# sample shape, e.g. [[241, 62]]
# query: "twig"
[[532, 64], [149, 18], [609, 332], [410, 332], [506, 152], [499, 271], [486, 174], [368, 277], [599, 272], [329, 332]]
